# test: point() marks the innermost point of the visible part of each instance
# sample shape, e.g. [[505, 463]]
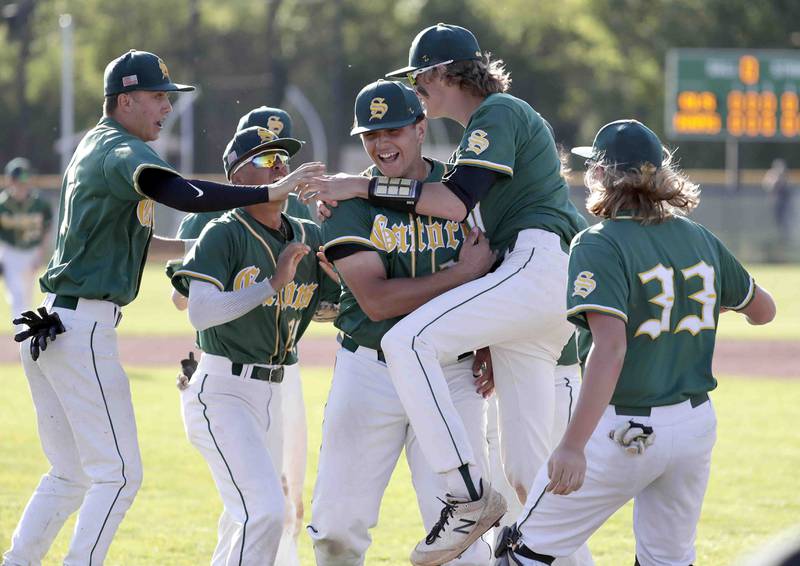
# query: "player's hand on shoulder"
[[296, 181], [287, 264], [566, 469], [476, 258]]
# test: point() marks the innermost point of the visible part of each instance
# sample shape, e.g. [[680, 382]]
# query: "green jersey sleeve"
[[212, 258], [123, 164], [596, 283], [297, 209], [490, 140], [736, 284], [351, 223]]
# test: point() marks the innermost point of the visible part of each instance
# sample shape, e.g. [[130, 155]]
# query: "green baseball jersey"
[[105, 222], [409, 245], [193, 223], [506, 135], [667, 282], [236, 251], [23, 224]]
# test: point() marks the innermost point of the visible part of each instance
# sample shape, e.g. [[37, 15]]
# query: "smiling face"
[[395, 151], [143, 113]]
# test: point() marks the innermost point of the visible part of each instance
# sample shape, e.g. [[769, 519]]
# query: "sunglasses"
[[268, 160], [412, 76]]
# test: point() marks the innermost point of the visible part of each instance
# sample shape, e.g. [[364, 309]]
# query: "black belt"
[[695, 400], [64, 302], [351, 346], [274, 375]]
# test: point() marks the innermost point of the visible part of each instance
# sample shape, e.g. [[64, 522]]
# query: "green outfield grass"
[[752, 494], [153, 313]]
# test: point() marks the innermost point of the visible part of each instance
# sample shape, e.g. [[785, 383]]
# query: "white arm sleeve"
[[208, 306]]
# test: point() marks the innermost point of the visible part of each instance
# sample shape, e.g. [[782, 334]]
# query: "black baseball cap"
[[253, 141], [626, 144], [437, 45], [384, 105], [18, 168], [275, 119], [139, 70]]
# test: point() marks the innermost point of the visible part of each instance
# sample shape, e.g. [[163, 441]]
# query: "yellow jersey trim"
[[487, 164], [749, 297], [598, 308], [349, 240]]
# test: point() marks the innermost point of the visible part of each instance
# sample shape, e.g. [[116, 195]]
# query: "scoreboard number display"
[[719, 94]]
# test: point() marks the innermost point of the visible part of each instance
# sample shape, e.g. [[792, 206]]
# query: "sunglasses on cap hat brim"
[[265, 160]]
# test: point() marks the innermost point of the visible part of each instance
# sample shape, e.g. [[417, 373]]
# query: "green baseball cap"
[[18, 168], [439, 45], [139, 70], [624, 143], [275, 119], [253, 141], [384, 105]]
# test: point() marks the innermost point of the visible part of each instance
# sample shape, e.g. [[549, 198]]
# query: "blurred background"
[[580, 63]]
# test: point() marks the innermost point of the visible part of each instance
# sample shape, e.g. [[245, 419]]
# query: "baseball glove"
[[42, 326], [188, 367]]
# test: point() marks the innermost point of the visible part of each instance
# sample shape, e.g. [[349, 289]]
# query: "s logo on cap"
[[378, 108], [274, 123], [163, 67], [266, 135]]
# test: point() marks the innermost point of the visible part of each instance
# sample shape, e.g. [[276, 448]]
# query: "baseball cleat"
[[460, 524]]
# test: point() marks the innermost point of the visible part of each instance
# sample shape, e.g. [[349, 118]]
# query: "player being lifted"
[[253, 289], [392, 262], [506, 180], [650, 285]]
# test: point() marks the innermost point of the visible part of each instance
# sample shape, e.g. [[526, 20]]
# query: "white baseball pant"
[[88, 433], [19, 272], [227, 418], [363, 433], [568, 387], [295, 441], [519, 311], [667, 483]]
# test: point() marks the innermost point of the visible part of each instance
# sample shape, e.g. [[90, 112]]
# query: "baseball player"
[[253, 289], [292, 436], [25, 219], [506, 180], [392, 262], [80, 391], [650, 285]]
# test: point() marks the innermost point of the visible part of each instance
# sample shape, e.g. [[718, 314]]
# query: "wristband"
[[396, 193]]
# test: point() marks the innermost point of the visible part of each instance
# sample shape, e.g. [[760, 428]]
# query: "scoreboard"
[[746, 95]]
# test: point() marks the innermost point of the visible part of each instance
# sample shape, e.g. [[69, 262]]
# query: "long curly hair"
[[480, 77], [653, 194]]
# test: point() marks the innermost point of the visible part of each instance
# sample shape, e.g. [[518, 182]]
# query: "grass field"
[[753, 492], [152, 312]]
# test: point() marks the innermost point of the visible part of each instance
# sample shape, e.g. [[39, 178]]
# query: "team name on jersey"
[[144, 212], [26, 222], [415, 236], [292, 296]]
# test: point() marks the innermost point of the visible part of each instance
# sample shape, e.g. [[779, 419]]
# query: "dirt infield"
[[732, 357]]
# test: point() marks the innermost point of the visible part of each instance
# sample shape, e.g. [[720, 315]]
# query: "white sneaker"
[[460, 524]]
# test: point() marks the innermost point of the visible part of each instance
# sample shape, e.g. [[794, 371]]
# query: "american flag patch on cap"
[[232, 157], [130, 80]]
